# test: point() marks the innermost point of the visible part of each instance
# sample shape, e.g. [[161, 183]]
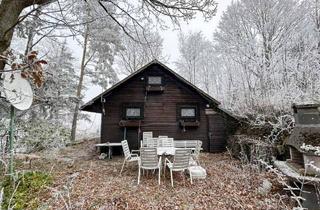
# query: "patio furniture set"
[[163, 152]]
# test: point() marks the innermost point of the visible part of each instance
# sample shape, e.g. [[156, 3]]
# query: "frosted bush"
[[41, 135], [315, 149]]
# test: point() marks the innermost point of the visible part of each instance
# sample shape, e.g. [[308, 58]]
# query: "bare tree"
[[121, 12], [10, 11], [134, 55], [192, 47], [138, 14], [252, 41], [100, 44]]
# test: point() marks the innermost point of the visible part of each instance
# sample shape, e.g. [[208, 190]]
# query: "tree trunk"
[[80, 84], [9, 18], [32, 30]]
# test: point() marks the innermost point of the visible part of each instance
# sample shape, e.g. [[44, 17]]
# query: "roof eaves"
[[201, 92], [155, 61], [117, 84]]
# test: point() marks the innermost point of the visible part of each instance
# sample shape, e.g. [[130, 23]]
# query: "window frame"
[[133, 106], [188, 106], [161, 77], [191, 107]]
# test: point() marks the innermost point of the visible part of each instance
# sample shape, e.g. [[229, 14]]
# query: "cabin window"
[[154, 80], [133, 111], [188, 112]]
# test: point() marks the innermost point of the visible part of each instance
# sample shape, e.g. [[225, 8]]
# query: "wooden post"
[[11, 133]]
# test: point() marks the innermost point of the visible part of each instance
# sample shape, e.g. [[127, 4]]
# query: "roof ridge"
[[154, 61]]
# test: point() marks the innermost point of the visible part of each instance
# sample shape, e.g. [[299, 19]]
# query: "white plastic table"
[[110, 145], [166, 150]]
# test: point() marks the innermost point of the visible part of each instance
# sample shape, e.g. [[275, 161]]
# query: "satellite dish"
[[18, 91]]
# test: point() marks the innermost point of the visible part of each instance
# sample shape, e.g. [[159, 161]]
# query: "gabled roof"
[[202, 93]]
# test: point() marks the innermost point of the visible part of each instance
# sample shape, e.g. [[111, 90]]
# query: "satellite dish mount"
[[18, 93]]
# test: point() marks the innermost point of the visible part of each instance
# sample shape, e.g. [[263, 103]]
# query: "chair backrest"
[[151, 142], [198, 148], [179, 144], [191, 143], [125, 148], [181, 159], [167, 142], [148, 157], [146, 135], [143, 143], [187, 143], [161, 139]]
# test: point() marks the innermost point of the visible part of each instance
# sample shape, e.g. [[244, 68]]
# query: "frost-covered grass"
[[89, 183], [24, 191]]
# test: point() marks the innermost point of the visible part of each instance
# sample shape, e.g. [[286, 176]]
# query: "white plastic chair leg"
[[139, 175], [198, 161], [124, 161], [171, 177], [159, 175], [184, 178], [190, 177]]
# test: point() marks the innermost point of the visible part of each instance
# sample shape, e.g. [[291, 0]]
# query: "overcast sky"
[[170, 50], [170, 38]]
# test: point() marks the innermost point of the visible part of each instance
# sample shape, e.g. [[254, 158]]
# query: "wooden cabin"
[[157, 99]]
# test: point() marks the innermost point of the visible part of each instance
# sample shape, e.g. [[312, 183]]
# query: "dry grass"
[[89, 183]]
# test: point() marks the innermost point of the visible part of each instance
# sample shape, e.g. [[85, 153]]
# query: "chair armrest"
[[136, 155], [135, 150]]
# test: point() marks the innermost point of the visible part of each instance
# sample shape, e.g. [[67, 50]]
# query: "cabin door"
[[216, 131], [132, 136]]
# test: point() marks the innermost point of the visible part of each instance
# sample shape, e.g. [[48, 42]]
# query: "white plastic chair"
[[162, 136], [161, 139], [180, 162], [167, 142], [149, 161], [152, 142], [128, 156], [194, 159], [145, 136]]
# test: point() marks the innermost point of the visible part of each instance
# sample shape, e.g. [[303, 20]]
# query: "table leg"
[[109, 153], [164, 165]]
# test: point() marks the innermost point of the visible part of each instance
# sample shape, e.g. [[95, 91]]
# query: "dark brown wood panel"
[[160, 112]]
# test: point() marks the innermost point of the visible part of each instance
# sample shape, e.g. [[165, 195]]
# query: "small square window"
[[154, 80], [188, 112], [133, 112]]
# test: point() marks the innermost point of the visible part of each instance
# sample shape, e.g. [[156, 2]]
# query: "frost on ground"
[[89, 183]]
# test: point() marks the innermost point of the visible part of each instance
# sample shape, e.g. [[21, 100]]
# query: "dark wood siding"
[[160, 112], [217, 133], [296, 156]]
